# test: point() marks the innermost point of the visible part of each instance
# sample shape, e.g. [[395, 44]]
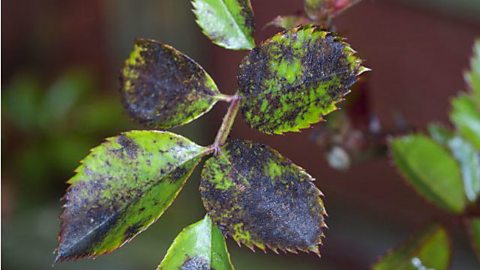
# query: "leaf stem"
[[226, 98], [227, 124]]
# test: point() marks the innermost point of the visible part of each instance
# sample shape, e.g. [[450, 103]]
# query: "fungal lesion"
[[278, 206], [195, 263], [301, 73]]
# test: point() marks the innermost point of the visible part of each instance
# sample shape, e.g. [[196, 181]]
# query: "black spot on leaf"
[[260, 198]]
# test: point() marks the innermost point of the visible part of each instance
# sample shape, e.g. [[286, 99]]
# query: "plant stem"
[[226, 98], [227, 124]]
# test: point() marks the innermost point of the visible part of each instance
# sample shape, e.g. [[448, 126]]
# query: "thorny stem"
[[227, 124]]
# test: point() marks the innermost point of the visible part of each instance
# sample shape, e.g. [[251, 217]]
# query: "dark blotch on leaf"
[[196, 263], [161, 87], [291, 80], [129, 146], [258, 197]]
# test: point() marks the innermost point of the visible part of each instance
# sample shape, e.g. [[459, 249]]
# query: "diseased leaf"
[[163, 88], [200, 246], [428, 249], [122, 187], [287, 22], [466, 155], [466, 117], [294, 78], [228, 23], [431, 170], [262, 199], [473, 226]]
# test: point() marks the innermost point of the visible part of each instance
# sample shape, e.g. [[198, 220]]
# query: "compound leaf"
[[294, 78], [121, 188], [163, 88], [473, 226], [428, 249], [260, 198], [431, 170], [466, 117], [199, 246], [228, 23], [466, 155]]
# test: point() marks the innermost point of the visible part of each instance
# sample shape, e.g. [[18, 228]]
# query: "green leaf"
[[466, 155], [431, 170], [228, 23], [473, 226], [294, 78], [121, 188], [466, 117], [260, 198], [163, 88], [440, 134], [469, 159], [199, 246], [287, 22], [428, 249]]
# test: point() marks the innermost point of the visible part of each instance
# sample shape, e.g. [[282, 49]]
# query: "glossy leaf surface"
[[466, 155], [228, 23], [121, 188], [260, 198], [466, 117], [163, 88], [199, 246], [431, 170], [294, 78], [428, 249]]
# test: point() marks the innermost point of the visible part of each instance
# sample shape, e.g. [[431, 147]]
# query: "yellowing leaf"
[[294, 78], [163, 88], [260, 198], [121, 188]]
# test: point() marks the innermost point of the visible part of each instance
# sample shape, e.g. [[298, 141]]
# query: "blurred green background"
[[59, 99]]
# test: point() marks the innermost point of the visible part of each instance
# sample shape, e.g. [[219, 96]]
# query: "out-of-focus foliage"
[[434, 168], [428, 249], [49, 127], [466, 155], [473, 226], [466, 107], [466, 117], [198, 246], [431, 170]]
